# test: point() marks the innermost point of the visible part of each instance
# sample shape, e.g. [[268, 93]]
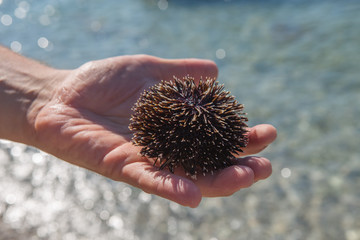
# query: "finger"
[[126, 165], [260, 136], [261, 166], [197, 68], [225, 182], [165, 69], [162, 183]]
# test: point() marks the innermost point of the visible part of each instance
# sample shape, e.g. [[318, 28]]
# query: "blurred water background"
[[294, 64]]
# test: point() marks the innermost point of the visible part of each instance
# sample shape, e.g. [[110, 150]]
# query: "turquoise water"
[[294, 64]]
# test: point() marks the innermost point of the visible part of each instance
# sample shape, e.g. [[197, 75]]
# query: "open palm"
[[86, 123]]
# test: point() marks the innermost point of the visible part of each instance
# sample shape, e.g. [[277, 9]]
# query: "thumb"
[[197, 68]]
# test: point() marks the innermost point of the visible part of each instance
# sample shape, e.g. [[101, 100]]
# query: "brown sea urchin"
[[196, 127]]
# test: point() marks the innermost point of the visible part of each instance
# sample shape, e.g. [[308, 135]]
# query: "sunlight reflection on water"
[[293, 65]]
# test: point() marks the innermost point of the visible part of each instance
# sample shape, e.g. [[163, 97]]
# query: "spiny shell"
[[196, 127]]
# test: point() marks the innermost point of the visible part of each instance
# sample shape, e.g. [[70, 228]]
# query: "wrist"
[[25, 87]]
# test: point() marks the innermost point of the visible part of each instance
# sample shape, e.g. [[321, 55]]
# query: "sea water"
[[293, 64]]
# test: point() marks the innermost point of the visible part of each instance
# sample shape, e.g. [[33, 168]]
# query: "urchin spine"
[[198, 127]]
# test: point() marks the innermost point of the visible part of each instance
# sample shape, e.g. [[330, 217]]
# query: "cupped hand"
[[85, 122]]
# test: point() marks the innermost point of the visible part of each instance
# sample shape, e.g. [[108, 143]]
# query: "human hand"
[[85, 122]]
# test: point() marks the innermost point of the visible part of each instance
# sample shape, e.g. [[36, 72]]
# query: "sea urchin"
[[196, 127]]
